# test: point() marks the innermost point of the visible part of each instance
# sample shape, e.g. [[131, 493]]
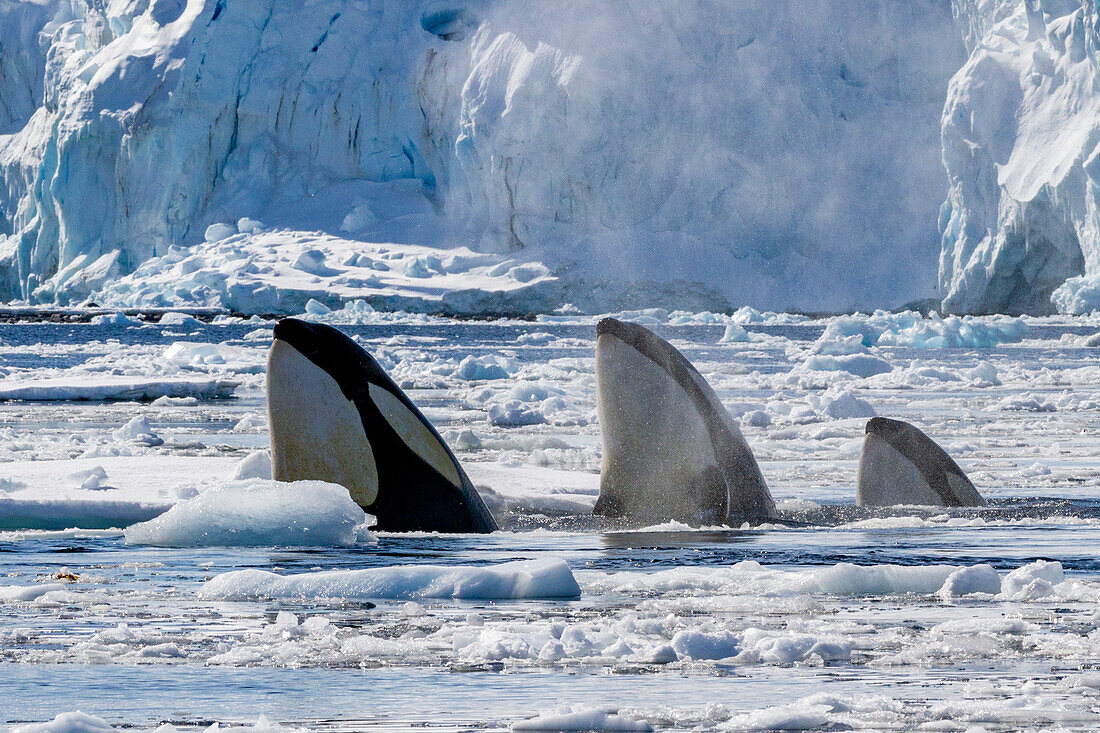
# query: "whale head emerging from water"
[[336, 416], [671, 451], [901, 465]]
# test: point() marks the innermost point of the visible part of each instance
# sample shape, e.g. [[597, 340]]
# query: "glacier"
[[155, 152], [1021, 146], [489, 156]]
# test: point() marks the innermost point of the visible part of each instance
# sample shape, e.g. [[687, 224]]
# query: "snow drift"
[[711, 151]]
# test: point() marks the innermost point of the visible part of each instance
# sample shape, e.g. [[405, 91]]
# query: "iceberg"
[[1020, 126]]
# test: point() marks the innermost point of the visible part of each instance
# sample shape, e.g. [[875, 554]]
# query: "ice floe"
[[258, 512], [521, 579]]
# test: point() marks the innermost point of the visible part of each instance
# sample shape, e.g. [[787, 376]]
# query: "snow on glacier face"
[[1020, 144], [636, 145]]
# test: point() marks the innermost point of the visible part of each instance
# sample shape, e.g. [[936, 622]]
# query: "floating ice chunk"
[[355, 312], [1034, 470], [515, 413], [750, 577], [839, 345], [746, 314], [252, 422], [1034, 580], [862, 365], [756, 419], [970, 580], [86, 387], [317, 308], [984, 375], [912, 330], [179, 319], [256, 464], [484, 367], [164, 401], [702, 645], [256, 512], [644, 317], [202, 356], [1027, 402], [661, 654], [549, 578], [74, 722], [841, 404], [734, 333], [262, 335], [115, 319], [536, 338], [218, 232], [582, 720], [796, 716], [18, 593], [138, 432]]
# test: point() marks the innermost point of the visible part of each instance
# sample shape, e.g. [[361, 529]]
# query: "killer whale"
[[899, 464], [336, 416], [670, 449]]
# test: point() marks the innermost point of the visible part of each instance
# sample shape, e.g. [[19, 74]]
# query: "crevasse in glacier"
[[781, 154]]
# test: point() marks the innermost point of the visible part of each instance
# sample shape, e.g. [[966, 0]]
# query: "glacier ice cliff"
[[786, 155], [1021, 146]]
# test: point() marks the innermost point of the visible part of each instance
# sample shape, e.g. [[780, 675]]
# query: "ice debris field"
[[152, 573]]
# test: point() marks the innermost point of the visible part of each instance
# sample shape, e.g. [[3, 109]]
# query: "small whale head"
[[886, 428]]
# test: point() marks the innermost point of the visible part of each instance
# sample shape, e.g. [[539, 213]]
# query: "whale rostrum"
[[671, 451]]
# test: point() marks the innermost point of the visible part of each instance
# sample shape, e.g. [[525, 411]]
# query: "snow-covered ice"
[[542, 579], [258, 512]]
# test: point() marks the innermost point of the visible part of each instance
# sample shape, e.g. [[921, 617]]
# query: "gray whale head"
[[336, 416], [670, 449], [899, 464]]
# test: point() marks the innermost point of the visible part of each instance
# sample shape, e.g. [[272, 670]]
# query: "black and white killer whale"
[[670, 449], [336, 416], [899, 464]]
